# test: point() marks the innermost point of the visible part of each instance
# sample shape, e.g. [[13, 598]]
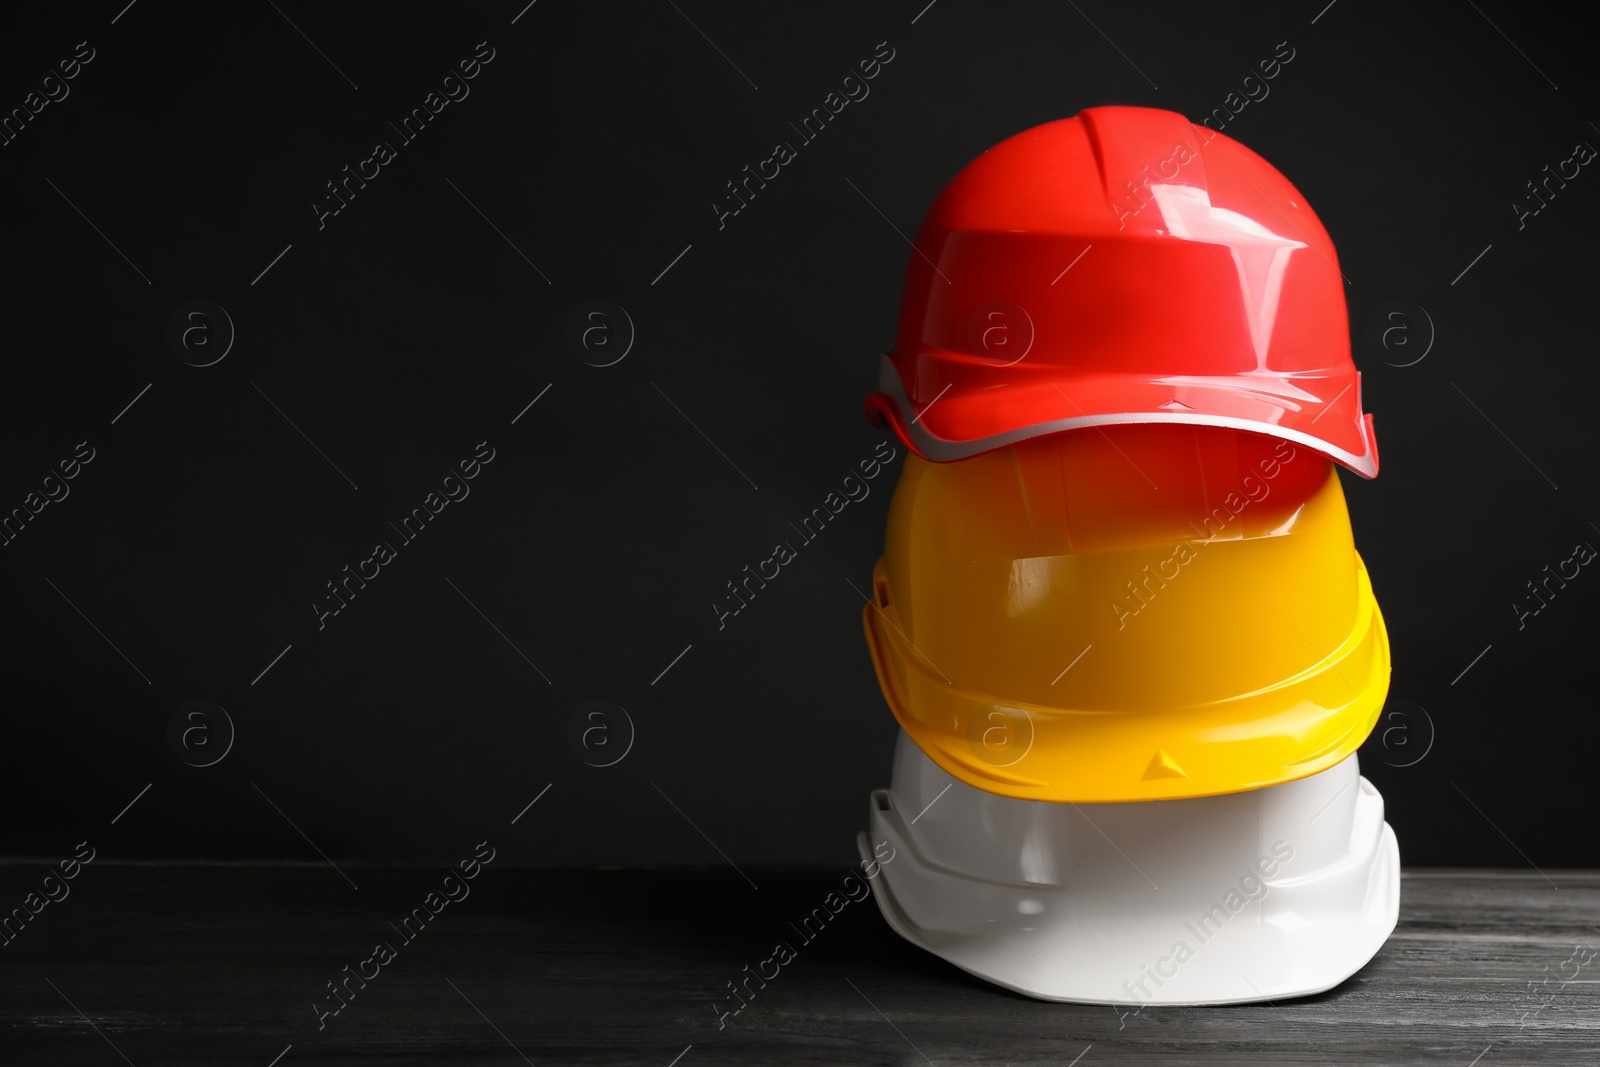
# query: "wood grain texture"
[[221, 964]]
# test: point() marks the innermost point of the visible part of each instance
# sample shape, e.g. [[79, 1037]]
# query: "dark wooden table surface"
[[230, 964]]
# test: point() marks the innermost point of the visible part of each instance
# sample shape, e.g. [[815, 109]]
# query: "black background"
[[408, 330]]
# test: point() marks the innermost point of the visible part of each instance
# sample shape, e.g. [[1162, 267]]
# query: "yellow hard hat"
[[1127, 613]]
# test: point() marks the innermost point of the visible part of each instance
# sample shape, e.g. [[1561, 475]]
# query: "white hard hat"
[[1258, 895]]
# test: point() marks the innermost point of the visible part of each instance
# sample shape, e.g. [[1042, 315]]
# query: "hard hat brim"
[[1292, 729], [959, 425]]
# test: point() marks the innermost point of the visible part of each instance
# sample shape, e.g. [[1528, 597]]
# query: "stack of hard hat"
[[1120, 616]]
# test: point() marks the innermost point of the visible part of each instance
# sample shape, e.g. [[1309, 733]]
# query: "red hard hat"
[[1123, 266]]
